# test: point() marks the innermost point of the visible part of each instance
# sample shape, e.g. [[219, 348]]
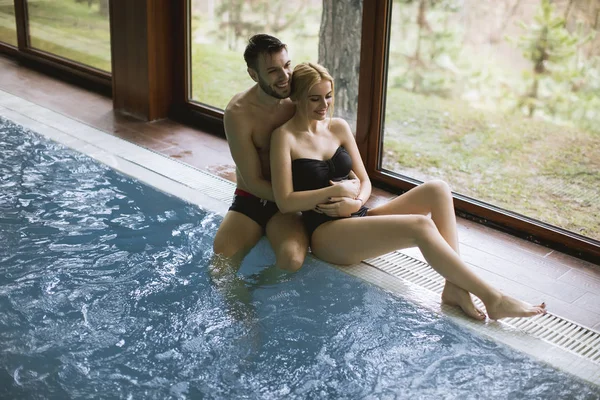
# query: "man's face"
[[274, 75]]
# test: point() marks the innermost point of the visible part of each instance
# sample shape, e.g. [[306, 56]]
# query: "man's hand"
[[339, 207], [347, 188]]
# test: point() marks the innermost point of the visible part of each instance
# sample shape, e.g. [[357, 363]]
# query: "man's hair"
[[261, 44]]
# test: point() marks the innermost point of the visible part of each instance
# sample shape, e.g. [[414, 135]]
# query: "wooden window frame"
[[184, 109]]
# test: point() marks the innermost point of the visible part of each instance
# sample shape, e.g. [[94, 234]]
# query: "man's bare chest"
[[263, 128]]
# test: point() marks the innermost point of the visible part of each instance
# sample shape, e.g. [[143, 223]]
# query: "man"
[[250, 118]]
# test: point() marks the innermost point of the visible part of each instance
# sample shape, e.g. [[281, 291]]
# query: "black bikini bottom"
[[312, 219]]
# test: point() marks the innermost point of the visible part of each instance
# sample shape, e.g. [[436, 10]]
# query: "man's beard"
[[269, 90]]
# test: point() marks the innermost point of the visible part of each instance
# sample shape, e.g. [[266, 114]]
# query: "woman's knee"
[[439, 188], [290, 258]]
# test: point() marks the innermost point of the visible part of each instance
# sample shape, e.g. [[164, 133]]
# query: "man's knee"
[[423, 227], [226, 247], [222, 247], [290, 258]]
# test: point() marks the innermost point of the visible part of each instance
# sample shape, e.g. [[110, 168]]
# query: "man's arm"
[[245, 156]]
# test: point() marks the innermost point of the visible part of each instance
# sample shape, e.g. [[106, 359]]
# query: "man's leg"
[[237, 234], [289, 240]]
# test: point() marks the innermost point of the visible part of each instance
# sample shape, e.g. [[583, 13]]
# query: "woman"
[[311, 153]]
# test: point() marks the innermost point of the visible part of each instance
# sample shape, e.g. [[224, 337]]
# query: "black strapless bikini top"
[[312, 174]]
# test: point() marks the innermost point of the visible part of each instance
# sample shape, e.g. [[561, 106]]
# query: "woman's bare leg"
[[350, 240], [435, 198]]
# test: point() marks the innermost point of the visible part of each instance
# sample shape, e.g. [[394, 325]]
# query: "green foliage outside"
[[535, 168], [561, 84], [8, 36], [424, 47], [8, 27], [240, 19], [428, 55], [76, 30], [527, 141], [217, 75]]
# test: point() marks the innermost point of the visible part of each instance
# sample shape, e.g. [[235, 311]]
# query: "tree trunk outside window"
[[339, 52], [104, 8]]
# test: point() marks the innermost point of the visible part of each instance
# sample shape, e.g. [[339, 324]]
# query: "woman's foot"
[[508, 307], [455, 296]]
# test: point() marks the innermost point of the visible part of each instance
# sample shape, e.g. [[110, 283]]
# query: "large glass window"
[[77, 30], [8, 26], [502, 100], [327, 32]]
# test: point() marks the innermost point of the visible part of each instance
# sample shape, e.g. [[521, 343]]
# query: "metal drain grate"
[[553, 329], [211, 185], [563, 333]]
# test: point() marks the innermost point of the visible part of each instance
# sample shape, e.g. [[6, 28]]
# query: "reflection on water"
[[105, 291]]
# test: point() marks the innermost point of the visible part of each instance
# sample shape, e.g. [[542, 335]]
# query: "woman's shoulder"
[[339, 127], [283, 130], [282, 134], [338, 122]]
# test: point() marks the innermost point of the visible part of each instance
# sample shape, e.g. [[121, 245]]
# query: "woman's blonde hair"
[[305, 76]]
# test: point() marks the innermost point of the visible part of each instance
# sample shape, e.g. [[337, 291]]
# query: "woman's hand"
[[339, 207], [346, 188]]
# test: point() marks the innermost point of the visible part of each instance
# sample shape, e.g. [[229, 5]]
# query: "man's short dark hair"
[[261, 44]]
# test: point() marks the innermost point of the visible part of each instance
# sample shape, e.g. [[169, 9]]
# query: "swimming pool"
[[105, 292]]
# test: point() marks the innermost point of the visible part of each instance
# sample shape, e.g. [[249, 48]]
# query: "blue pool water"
[[105, 293]]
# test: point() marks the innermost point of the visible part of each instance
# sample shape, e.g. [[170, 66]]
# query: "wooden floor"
[[569, 286]]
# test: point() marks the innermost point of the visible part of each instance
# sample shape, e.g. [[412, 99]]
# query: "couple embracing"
[[301, 182]]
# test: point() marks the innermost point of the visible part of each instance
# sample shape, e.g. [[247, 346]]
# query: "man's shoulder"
[[238, 103], [238, 112]]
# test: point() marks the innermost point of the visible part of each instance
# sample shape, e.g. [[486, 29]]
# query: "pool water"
[[105, 292]]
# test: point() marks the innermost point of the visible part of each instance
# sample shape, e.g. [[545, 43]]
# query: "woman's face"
[[320, 98]]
